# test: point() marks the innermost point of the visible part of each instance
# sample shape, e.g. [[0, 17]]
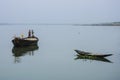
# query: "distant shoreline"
[[104, 24], [98, 24]]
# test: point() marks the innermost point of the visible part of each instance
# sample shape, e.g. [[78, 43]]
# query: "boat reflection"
[[22, 51], [85, 58]]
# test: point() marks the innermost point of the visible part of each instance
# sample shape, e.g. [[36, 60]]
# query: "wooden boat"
[[27, 41], [91, 54]]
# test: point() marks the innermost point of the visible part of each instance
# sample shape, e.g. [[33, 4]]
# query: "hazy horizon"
[[59, 11]]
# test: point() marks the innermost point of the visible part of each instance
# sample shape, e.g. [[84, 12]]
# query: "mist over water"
[[54, 58]]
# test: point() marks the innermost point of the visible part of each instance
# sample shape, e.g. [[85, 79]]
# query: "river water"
[[54, 58]]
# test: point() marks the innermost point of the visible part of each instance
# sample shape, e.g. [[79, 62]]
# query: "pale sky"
[[59, 11]]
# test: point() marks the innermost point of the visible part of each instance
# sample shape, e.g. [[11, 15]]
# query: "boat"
[[27, 41], [91, 54]]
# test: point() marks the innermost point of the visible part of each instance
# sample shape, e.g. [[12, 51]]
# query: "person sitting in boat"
[[22, 36]]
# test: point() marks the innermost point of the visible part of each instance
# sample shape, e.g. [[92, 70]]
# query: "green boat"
[[91, 54]]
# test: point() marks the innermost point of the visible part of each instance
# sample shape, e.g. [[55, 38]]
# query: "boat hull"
[[23, 42], [91, 54]]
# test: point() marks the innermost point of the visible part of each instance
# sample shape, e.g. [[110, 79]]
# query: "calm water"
[[54, 57]]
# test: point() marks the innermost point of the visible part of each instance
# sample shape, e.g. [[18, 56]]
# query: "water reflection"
[[85, 58], [22, 51]]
